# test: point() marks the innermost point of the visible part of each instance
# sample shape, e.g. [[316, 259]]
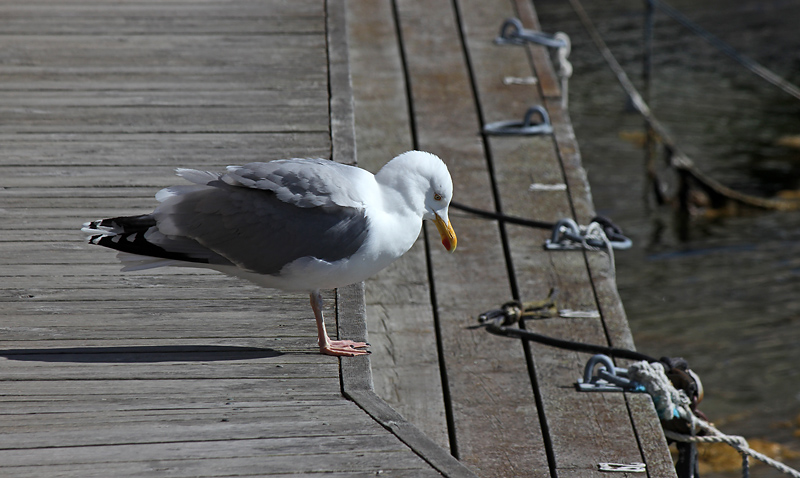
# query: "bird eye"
[[437, 196]]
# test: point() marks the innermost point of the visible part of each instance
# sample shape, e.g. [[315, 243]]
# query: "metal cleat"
[[524, 127], [512, 33], [568, 236], [623, 467], [608, 378]]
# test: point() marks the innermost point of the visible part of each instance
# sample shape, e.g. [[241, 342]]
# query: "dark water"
[[726, 295]]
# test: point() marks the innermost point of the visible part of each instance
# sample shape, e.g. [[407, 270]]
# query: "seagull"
[[291, 224]]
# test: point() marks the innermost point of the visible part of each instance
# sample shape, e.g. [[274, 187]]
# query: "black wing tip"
[[127, 234]]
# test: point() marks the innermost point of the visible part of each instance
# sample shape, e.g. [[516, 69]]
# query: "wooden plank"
[[367, 464], [340, 109], [609, 435], [213, 151], [169, 120], [47, 102], [488, 398], [141, 53], [650, 436], [209, 449], [405, 366], [357, 386], [147, 62], [78, 17], [197, 426], [282, 412], [352, 312], [73, 395]]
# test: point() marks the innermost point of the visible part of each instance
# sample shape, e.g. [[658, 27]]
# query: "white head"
[[424, 179]]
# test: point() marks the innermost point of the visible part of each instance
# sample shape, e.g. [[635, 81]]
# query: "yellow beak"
[[449, 239]]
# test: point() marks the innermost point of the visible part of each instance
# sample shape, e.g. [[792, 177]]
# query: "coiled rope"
[[671, 403]]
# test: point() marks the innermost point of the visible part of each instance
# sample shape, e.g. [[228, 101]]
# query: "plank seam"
[[356, 380], [510, 269], [355, 372], [443, 376]]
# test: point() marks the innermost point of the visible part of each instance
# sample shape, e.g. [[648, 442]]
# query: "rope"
[[751, 65], [671, 403], [606, 235], [518, 333], [595, 231], [678, 159], [503, 217], [564, 67]]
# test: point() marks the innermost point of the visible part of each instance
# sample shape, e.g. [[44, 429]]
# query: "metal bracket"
[[524, 127], [568, 236], [512, 33], [622, 467], [608, 378]]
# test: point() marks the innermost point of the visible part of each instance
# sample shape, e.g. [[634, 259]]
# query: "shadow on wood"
[[143, 354]]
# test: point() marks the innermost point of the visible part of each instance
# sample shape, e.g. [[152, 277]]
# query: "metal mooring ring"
[[524, 127], [512, 32]]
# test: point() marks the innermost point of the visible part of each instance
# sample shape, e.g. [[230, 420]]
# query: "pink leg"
[[342, 348]]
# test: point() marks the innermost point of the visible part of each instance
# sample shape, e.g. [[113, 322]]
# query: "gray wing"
[[301, 182], [263, 216]]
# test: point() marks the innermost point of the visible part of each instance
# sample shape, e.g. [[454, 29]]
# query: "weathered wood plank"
[[615, 327], [373, 463], [231, 54], [148, 150], [609, 434], [357, 386], [650, 436], [168, 120], [404, 362], [158, 150], [488, 397], [280, 412], [208, 449], [79, 17], [71, 395], [351, 304], [55, 103], [121, 403]]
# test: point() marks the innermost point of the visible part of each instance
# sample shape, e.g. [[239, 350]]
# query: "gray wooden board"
[[404, 362], [443, 125], [351, 311], [607, 434], [357, 386], [149, 150], [376, 463], [221, 53], [81, 17], [496, 422], [205, 449], [167, 393]]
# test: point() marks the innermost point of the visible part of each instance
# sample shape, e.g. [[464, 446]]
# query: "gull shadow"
[[141, 354]]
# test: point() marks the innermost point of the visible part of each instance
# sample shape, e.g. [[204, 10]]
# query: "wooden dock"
[[186, 373]]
